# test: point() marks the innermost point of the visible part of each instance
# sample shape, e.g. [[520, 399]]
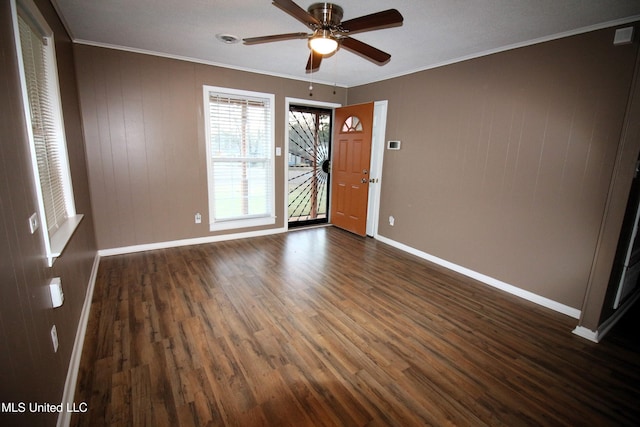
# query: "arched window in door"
[[352, 124]]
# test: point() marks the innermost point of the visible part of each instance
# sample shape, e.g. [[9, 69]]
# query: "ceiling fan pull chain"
[[311, 77]]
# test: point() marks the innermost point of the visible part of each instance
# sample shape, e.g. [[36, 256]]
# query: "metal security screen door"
[[309, 154]]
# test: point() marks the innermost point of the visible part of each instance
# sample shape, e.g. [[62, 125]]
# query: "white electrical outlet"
[[33, 223], [198, 218], [54, 338], [392, 221]]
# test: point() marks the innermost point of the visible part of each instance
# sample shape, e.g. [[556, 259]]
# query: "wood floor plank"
[[322, 328]]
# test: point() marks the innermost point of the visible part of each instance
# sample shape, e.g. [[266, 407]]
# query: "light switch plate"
[[33, 223]]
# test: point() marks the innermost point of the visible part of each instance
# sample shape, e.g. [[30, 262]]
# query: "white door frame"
[[375, 171], [377, 155]]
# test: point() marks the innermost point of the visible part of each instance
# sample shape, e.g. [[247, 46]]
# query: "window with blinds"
[[240, 166], [43, 113]]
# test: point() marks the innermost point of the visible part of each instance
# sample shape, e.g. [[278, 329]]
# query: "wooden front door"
[[350, 167]]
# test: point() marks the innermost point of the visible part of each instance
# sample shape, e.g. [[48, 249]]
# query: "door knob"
[[364, 180]]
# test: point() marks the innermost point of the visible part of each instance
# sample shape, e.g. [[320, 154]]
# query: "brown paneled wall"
[[145, 141], [506, 160], [30, 371]]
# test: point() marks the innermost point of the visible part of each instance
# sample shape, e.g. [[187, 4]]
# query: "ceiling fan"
[[329, 32]]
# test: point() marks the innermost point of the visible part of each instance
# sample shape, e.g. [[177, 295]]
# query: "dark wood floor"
[[321, 328]]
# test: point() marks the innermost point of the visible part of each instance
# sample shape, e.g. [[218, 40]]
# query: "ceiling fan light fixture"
[[323, 43]]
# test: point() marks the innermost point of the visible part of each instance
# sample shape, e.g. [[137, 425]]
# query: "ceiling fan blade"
[[384, 19], [297, 12], [275, 38], [313, 63], [368, 51]]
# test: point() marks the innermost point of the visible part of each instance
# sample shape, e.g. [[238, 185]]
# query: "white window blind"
[[44, 117], [240, 162]]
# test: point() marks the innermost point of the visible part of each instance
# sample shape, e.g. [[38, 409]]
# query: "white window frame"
[[56, 239], [249, 221]]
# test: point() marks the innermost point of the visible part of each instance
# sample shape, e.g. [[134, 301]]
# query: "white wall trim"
[[589, 28], [586, 333], [64, 418], [474, 55], [607, 325], [375, 169], [187, 242], [204, 62], [514, 290]]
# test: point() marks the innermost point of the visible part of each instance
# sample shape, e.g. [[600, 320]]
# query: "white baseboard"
[[64, 418], [187, 242], [514, 290], [586, 333], [607, 325]]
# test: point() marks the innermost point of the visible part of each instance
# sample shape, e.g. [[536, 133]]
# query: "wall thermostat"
[[393, 145]]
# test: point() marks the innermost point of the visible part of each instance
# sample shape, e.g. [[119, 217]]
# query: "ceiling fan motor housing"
[[328, 13]]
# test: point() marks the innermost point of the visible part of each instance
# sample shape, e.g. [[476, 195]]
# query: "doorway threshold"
[[310, 226]]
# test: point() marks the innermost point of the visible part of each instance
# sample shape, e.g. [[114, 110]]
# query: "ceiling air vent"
[[227, 38]]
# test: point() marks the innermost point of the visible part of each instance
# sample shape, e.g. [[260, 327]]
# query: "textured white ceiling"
[[434, 32]]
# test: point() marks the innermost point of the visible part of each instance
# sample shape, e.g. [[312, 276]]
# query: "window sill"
[[61, 237], [242, 223]]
